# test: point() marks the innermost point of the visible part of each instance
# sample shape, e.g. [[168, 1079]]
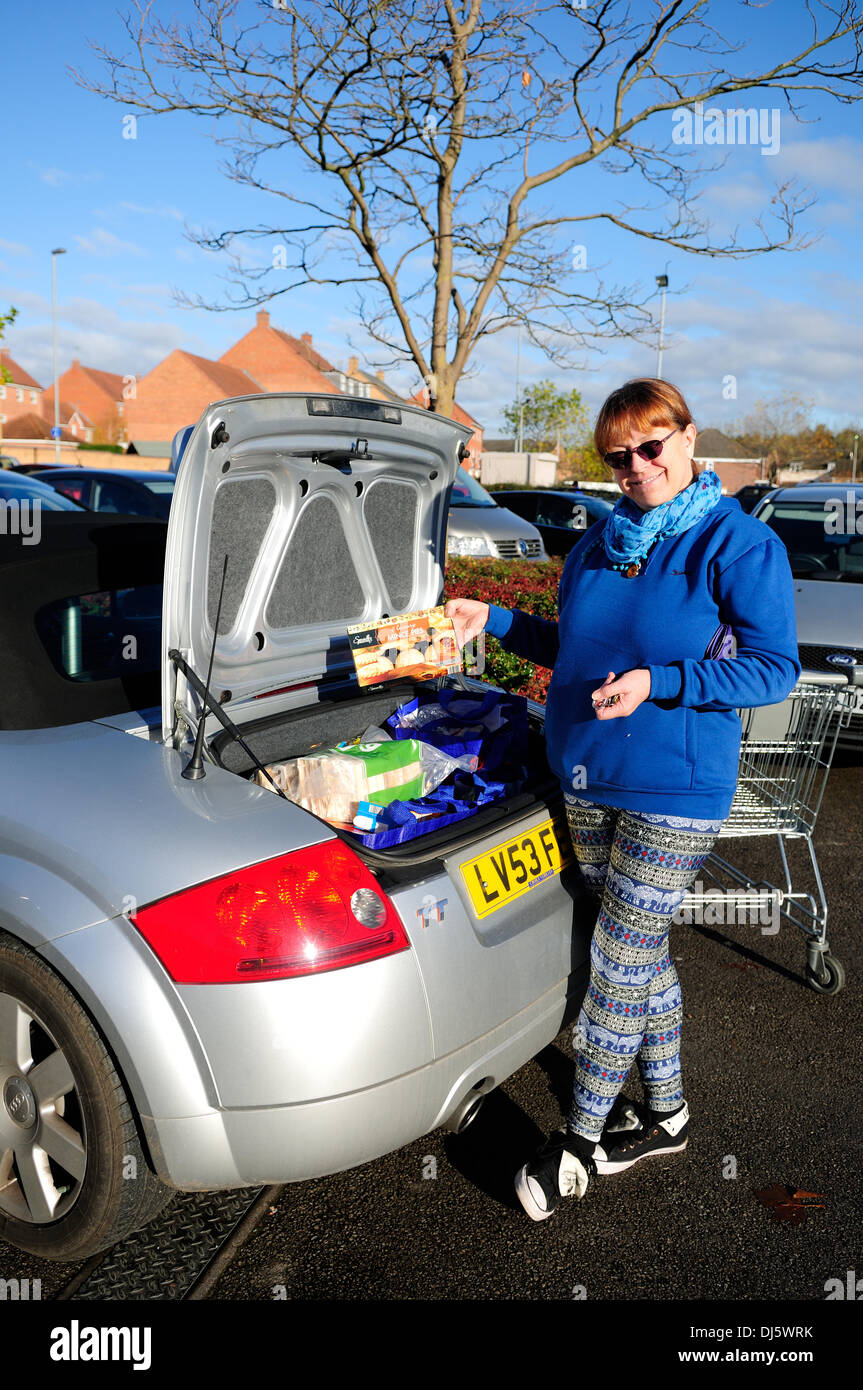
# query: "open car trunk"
[[294, 733], [295, 518]]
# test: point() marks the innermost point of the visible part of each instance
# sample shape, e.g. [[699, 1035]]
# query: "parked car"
[[482, 527], [561, 517], [821, 526], [18, 487], [7, 461], [131, 492], [42, 467], [203, 985], [752, 493]]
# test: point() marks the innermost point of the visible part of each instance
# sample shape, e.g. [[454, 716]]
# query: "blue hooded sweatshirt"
[[678, 752]]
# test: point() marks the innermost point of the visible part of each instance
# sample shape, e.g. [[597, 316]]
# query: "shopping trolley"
[[785, 757]]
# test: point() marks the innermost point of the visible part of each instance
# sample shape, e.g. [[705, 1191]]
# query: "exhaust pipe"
[[467, 1109]]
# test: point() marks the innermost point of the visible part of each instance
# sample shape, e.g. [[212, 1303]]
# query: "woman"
[[641, 722]]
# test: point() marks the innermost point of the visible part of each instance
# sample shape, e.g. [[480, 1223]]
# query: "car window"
[[818, 546], [21, 489], [76, 488], [103, 635], [112, 496], [522, 503], [466, 492], [162, 490], [562, 512]]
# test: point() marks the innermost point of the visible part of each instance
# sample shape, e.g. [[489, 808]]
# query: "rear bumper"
[[228, 1148]]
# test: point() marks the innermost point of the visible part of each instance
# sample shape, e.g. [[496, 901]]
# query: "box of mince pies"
[[419, 645]]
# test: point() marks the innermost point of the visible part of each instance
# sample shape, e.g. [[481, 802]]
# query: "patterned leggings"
[[640, 867]]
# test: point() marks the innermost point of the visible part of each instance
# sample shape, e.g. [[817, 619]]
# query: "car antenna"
[[194, 768]]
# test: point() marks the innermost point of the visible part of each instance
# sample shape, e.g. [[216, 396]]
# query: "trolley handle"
[[848, 675]]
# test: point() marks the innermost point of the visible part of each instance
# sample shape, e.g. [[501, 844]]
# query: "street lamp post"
[[662, 282], [518, 441], [58, 251], [854, 465]]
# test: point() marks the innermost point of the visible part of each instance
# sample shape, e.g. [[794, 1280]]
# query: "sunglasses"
[[649, 450]]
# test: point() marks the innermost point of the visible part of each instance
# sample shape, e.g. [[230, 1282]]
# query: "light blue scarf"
[[629, 532]]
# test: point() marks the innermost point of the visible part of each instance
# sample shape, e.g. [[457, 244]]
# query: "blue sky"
[[783, 321]]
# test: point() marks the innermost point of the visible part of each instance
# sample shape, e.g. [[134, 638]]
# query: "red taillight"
[[315, 909]]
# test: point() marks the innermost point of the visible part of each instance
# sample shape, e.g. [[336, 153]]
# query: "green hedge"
[[522, 584]]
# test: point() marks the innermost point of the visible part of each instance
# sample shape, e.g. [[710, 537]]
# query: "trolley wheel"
[[833, 977]]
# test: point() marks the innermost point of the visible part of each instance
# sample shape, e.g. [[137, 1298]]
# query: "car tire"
[[62, 1102]]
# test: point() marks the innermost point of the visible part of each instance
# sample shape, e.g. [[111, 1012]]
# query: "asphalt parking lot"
[[772, 1078]]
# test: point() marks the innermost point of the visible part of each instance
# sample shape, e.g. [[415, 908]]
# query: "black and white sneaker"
[[559, 1168], [662, 1136]]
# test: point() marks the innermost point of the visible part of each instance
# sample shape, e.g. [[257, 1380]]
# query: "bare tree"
[[783, 414], [421, 134]]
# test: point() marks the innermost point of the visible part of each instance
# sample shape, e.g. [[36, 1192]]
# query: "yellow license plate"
[[506, 872]]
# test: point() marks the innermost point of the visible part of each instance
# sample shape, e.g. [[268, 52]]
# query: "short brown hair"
[[639, 405]]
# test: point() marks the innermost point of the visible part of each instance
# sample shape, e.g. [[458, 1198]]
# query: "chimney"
[[76, 362], [380, 374], [352, 366], [306, 338], [262, 319]]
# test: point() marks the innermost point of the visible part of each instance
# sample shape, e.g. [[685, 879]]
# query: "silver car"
[[202, 985], [483, 527], [821, 526]]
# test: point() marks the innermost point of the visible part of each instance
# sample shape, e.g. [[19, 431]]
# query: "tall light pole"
[[854, 465], [518, 394], [58, 251], [662, 282]]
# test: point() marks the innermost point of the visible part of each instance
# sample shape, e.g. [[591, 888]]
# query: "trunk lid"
[[331, 511]]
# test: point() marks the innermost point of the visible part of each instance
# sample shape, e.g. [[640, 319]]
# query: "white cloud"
[[834, 162], [60, 178], [767, 343], [99, 336], [105, 243], [156, 211], [15, 248], [744, 195]]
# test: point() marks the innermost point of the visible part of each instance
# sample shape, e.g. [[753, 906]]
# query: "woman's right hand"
[[469, 617]]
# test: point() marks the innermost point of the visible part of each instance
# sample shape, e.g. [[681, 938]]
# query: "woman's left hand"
[[625, 694]]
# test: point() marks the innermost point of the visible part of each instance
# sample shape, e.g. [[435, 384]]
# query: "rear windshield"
[[821, 537], [107, 635]]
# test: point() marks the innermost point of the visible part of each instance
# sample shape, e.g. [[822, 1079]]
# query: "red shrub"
[[523, 584]]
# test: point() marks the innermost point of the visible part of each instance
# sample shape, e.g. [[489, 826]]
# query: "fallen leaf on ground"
[[788, 1203]]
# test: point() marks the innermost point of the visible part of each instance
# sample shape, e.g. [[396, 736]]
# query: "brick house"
[[98, 399], [378, 390], [32, 425], [727, 459], [474, 444], [279, 362], [19, 392], [73, 421], [177, 392]]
